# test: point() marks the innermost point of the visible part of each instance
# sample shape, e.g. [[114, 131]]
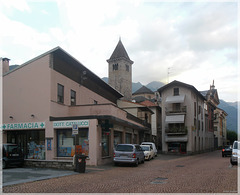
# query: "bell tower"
[[120, 71]]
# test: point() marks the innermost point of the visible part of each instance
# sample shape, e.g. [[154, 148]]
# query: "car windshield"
[[127, 148], [145, 148], [235, 146]]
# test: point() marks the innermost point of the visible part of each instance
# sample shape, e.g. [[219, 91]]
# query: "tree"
[[231, 136]]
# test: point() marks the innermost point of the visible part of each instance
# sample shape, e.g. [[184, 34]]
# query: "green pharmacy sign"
[[30, 125]]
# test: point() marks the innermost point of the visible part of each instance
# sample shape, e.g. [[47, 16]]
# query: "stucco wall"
[[26, 91]]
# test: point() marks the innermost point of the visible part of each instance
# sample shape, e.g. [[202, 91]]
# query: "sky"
[[194, 42]]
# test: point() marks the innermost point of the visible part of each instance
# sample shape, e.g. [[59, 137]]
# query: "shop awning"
[[175, 119], [175, 99], [176, 139]]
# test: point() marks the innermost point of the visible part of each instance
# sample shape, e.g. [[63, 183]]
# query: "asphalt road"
[[202, 173]]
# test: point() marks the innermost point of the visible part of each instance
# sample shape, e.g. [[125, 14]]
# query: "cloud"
[[197, 40]]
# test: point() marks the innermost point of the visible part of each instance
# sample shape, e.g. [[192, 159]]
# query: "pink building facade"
[[45, 96]]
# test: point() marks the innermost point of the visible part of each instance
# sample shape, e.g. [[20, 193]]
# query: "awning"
[[176, 139], [175, 99], [175, 119]]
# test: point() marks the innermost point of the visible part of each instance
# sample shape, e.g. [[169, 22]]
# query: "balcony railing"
[[182, 109], [176, 130]]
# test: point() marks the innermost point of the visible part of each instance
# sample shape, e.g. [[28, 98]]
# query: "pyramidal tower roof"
[[119, 52]]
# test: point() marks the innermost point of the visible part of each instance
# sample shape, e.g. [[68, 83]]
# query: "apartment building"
[[183, 119]]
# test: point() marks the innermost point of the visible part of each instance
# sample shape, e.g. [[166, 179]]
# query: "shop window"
[[31, 142], [128, 139], [66, 143], [73, 98], [117, 138], [60, 97], [105, 144]]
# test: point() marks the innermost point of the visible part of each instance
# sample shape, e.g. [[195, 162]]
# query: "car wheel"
[[4, 165], [136, 164], [115, 164], [222, 155]]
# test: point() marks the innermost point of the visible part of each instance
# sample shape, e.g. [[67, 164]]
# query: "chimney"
[[5, 65]]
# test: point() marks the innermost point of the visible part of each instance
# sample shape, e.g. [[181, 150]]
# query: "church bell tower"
[[120, 71]]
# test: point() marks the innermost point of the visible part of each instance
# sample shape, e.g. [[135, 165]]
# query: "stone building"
[[120, 71]]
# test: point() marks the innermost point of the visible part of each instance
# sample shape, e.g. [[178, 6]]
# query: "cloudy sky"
[[193, 42]]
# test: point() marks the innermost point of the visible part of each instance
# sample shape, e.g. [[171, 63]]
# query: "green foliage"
[[231, 136]]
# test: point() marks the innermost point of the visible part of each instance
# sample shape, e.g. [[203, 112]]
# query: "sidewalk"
[[12, 176]]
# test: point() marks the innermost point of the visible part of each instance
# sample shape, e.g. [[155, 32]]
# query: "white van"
[[235, 153], [151, 144]]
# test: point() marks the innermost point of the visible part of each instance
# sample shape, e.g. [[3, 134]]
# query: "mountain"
[[231, 109], [154, 85], [13, 67]]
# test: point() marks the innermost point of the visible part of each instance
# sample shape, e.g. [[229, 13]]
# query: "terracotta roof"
[[148, 103]]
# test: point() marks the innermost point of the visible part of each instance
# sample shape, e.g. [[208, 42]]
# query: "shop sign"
[[69, 124], [31, 125], [74, 129]]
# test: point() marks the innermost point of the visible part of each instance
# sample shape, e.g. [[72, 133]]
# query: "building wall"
[[120, 79], [26, 91]]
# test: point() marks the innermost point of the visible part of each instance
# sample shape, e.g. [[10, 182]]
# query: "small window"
[[60, 98], [115, 66], [176, 91], [95, 102], [73, 98], [127, 68]]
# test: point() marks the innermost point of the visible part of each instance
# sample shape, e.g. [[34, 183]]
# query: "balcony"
[[176, 131], [182, 109]]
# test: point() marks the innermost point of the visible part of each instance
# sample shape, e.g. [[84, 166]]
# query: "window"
[[127, 68], [117, 138], [115, 66], [73, 98], [128, 138], [60, 98], [66, 142], [95, 102], [175, 91], [105, 144]]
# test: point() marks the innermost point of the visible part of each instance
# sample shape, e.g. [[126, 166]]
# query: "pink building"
[[45, 96]]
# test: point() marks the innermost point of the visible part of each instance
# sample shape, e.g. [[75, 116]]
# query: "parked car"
[[151, 144], [235, 153], [128, 153], [227, 151], [148, 152], [12, 155]]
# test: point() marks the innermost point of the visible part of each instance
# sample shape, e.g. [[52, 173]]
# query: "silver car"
[[128, 153]]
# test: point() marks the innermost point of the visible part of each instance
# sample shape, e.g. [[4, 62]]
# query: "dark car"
[[227, 151], [12, 155], [128, 153]]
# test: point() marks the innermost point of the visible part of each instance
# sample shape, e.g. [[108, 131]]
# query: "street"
[[202, 173]]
